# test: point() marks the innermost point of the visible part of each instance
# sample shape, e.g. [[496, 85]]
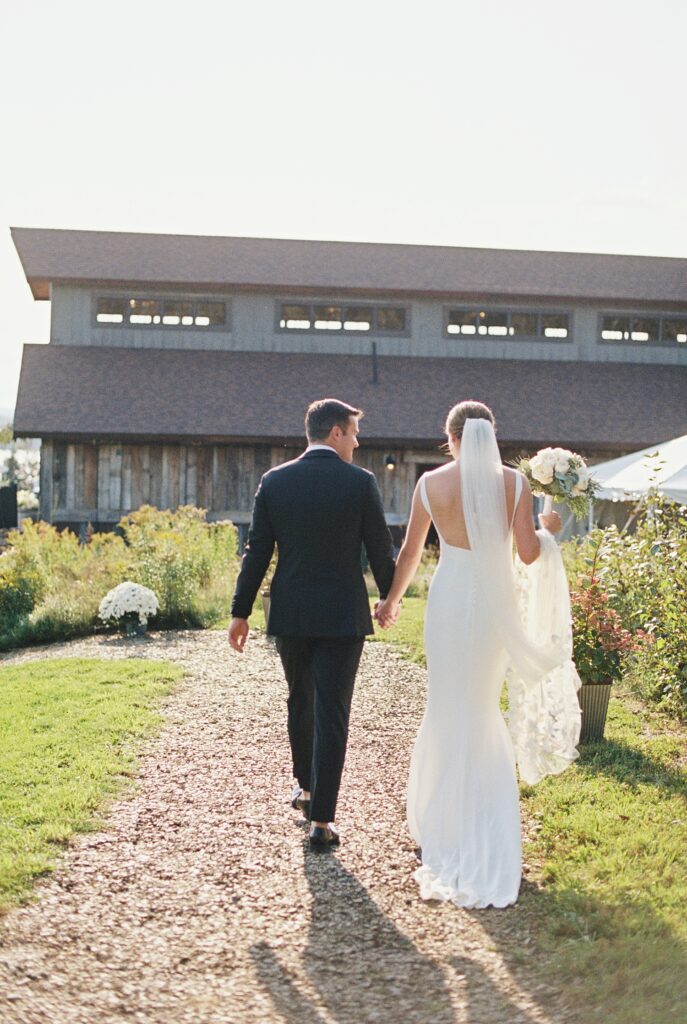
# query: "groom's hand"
[[238, 634], [386, 614]]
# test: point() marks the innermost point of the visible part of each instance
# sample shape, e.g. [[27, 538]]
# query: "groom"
[[319, 510]]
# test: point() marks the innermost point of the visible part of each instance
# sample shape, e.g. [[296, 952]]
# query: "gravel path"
[[201, 904]]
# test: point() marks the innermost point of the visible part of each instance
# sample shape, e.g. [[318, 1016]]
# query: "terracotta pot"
[[594, 699]]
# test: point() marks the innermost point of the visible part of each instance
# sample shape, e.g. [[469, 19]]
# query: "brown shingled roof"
[[93, 392], [112, 257]]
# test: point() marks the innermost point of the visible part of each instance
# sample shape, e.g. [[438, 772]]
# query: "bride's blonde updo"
[[455, 421]]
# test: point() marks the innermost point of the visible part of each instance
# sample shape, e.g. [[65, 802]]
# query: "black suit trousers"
[[320, 672]]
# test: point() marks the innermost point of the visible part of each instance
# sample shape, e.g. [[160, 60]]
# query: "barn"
[[179, 367]]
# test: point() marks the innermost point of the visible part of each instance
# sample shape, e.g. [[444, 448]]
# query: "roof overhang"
[[133, 259], [83, 393]]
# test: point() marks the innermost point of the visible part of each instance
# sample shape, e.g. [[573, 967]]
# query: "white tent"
[[630, 477]]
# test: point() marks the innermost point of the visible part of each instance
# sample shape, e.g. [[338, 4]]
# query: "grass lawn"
[[68, 731], [408, 633], [606, 884]]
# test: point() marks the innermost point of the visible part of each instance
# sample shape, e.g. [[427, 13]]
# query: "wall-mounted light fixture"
[[390, 462]]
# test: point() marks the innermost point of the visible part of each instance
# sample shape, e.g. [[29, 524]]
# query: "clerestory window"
[[667, 329], [476, 322], [349, 319], [144, 311]]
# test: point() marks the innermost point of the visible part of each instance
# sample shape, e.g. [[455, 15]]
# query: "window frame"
[[508, 311], [635, 314], [142, 295], [343, 304]]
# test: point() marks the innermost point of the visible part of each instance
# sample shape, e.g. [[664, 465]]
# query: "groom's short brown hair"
[[326, 413]]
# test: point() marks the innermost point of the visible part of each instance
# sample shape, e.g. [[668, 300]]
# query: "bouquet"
[[129, 604], [562, 475]]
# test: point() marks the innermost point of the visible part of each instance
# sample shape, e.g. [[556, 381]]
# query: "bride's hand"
[[386, 613], [550, 521]]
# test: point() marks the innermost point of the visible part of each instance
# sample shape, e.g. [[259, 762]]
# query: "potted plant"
[[600, 644], [129, 605]]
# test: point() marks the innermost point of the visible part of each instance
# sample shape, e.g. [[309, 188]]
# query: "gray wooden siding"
[[252, 325], [99, 483], [72, 323]]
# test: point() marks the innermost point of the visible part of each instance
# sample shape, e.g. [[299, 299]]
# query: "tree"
[[13, 471]]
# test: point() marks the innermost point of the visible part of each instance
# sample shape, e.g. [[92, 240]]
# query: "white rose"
[[542, 470], [562, 459]]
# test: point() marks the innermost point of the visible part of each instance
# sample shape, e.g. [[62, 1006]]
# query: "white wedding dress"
[[463, 800]]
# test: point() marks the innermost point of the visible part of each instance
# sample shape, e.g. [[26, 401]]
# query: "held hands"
[[238, 634], [387, 612], [550, 521]]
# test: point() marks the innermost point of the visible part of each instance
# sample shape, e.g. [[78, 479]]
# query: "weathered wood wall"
[[98, 483]]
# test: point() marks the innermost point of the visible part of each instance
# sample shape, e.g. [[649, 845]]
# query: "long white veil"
[[530, 613]]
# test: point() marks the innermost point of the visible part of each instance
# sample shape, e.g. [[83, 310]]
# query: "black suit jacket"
[[319, 510]]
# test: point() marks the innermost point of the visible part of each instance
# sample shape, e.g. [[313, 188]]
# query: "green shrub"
[[179, 556], [63, 581], [19, 585], [644, 575], [51, 585]]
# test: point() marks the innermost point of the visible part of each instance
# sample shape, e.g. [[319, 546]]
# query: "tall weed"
[[178, 555], [51, 584]]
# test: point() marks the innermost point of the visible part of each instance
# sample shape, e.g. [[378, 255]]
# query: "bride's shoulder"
[[445, 469], [518, 482], [512, 474]]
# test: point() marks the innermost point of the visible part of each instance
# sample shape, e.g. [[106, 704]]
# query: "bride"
[[463, 800]]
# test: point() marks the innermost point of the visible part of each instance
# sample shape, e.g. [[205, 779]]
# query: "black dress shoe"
[[321, 837], [300, 803]]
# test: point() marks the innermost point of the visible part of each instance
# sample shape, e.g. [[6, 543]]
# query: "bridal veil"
[[529, 610]]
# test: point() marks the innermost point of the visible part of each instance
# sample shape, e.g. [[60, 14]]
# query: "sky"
[[528, 125]]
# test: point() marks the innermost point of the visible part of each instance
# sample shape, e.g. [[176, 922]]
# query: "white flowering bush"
[[27, 500], [128, 602], [563, 475]]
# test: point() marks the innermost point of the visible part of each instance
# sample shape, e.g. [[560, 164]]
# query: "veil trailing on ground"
[[529, 609]]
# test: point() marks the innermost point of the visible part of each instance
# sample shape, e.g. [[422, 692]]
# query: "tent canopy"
[[663, 466]]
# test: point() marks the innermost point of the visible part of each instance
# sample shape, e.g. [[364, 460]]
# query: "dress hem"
[[432, 887]]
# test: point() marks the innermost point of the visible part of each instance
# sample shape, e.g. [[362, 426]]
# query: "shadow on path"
[[486, 1002], [363, 969]]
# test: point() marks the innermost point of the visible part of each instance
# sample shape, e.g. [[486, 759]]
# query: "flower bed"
[[51, 585]]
